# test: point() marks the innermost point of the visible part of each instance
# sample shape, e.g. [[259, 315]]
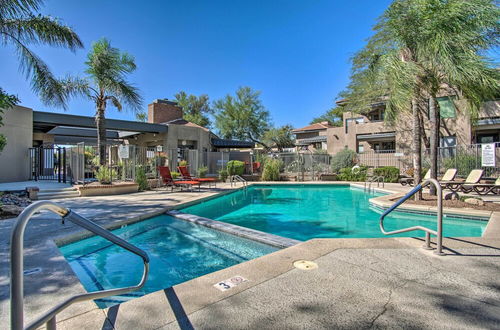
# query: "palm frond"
[[126, 93], [12, 8], [40, 30]]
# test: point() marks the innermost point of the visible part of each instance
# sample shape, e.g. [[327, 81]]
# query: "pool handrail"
[[16, 269], [238, 178], [378, 179], [438, 233]]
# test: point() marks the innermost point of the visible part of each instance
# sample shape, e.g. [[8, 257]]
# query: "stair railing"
[[438, 233]]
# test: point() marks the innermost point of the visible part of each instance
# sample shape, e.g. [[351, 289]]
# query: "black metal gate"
[[48, 164]]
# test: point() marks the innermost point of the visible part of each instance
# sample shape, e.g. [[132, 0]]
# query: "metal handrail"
[[438, 233], [238, 178], [378, 179], [16, 270]]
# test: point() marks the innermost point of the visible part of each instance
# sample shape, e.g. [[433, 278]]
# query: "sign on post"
[[488, 157], [123, 152]]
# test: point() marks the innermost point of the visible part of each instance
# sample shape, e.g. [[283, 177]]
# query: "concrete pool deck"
[[359, 283]]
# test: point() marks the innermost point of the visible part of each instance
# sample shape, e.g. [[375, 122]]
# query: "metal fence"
[[463, 158], [305, 166], [121, 160], [47, 163]]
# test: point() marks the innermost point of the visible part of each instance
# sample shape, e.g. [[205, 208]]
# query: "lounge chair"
[[187, 176], [168, 180], [485, 188], [464, 186], [449, 175], [410, 180]]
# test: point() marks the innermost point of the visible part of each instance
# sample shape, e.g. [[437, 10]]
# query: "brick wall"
[[161, 111]]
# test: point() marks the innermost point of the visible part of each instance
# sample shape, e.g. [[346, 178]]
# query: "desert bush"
[[223, 175], [105, 174], [343, 159], [235, 167], [462, 161], [390, 173], [347, 174], [271, 171], [202, 171], [140, 178]]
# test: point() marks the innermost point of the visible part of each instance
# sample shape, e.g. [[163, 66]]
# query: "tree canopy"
[[423, 46], [195, 108], [7, 101], [21, 27], [333, 116], [242, 116], [279, 137]]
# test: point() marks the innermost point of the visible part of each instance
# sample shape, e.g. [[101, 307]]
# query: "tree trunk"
[[417, 146], [434, 119], [101, 133]]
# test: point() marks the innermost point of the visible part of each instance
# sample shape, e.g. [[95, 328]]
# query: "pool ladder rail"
[[238, 178], [379, 179], [16, 266], [438, 233]]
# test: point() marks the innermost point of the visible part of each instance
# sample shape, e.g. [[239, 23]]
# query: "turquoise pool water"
[[179, 251], [303, 212]]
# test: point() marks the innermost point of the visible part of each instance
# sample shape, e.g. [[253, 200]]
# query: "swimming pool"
[[179, 251], [303, 212]]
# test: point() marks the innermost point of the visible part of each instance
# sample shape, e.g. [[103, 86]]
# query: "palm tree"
[[106, 69], [422, 47], [20, 27]]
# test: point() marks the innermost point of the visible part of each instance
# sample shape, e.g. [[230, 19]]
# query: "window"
[[448, 141], [384, 146], [487, 138], [361, 148], [446, 107]]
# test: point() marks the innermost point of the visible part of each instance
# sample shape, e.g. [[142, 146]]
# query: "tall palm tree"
[[107, 68], [20, 27], [421, 47]]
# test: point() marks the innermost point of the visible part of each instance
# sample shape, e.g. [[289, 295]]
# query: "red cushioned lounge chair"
[[186, 176], [166, 176]]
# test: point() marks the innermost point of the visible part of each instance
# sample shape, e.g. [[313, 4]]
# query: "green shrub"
[[105, 174], [271, 171], [183, 163], [3, 142], [390, 173], [343, 159], [202, 171], [140, 178], [235, 167], [175, 175], [347, 174], [463, 162], [223, 175]]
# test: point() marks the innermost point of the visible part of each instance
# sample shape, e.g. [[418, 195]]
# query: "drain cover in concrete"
[[305, 264]]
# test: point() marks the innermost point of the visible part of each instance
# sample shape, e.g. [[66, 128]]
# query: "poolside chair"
[[449, 175], [187, 176], [166, 176], [410, 180], [464, 186], [484, 188]]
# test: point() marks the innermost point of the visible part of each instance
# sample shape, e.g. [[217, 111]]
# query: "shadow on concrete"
[[179, 312]]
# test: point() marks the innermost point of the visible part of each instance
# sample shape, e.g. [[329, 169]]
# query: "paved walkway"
[[43, 185]]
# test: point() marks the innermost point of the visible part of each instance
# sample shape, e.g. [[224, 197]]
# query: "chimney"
[[326, 123], [163, 110]]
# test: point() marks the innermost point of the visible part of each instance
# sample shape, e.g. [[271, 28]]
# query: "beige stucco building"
[[369, 132], [26, 128]]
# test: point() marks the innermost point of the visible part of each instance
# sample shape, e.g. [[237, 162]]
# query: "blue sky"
[[295, 52]]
